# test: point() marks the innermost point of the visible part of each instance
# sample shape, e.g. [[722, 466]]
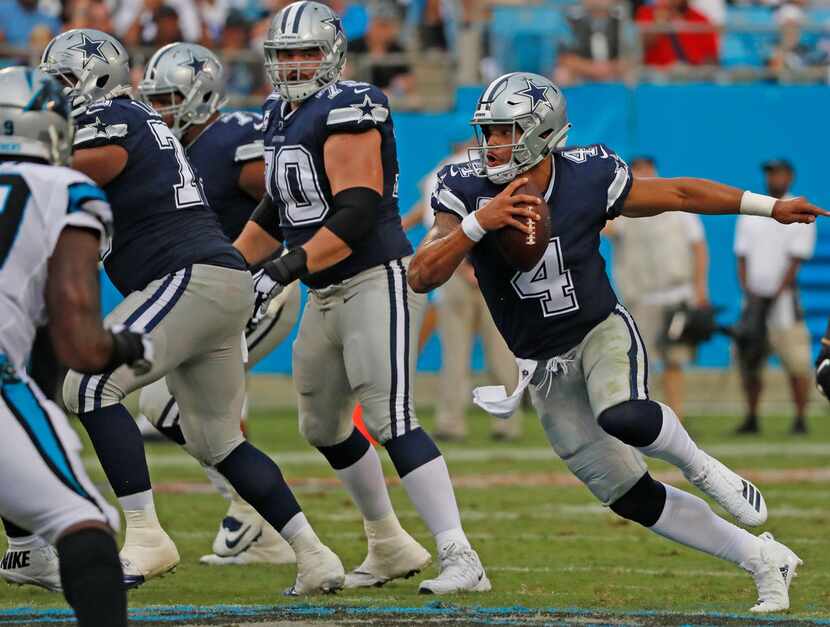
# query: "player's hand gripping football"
[[509, 210], [797, 210], [823, 369]]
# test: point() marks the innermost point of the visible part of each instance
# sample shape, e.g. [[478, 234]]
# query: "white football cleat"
[[319, 570], [461, 571], [148, 551], [238, 529], [35, 567], [393, 554], [268, 547], [732, 492], [773, 572]]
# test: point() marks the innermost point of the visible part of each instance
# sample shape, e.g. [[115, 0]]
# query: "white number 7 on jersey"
[[549, 282]]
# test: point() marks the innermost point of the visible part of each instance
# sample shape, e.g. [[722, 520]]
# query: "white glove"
[[265, 290]]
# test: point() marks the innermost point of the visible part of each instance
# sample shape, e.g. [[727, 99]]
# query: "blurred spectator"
[[769, 255], [381, 40], [244, 75], [792, 53], [168, 28], [660, 266], [214, 14], [136, 23], [18, 18], [592, 52], [88, 14], [431, 30], [690, 38]]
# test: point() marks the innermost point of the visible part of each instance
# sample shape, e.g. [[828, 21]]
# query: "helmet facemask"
[[291, 77], [528, 139]]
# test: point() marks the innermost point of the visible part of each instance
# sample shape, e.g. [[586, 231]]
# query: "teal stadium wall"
[[709, 131]]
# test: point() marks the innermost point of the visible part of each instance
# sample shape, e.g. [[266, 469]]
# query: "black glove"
[[823, 368], [132, 348]]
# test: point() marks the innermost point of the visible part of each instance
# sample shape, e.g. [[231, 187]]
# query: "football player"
[[332, 177], [578, 348], [190, 290], [53, 221], [185, 84]]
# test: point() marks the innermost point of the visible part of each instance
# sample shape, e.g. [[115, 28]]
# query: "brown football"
[[524, 250]]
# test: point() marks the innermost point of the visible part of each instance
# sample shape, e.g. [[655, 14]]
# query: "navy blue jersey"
[[296, 174], [218, 155], [550, 309], [162, 222]]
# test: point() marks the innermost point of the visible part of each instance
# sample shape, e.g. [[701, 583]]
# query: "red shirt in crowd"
[[694, 48]]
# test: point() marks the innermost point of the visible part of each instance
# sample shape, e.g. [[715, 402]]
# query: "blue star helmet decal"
[[196, 65], [335, 22], [91, 48], [535, 93]]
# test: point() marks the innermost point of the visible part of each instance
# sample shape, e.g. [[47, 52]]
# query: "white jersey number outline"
[[549, 282], [186, 192], [293, 174]]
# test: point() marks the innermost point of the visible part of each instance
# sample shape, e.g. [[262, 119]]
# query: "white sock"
[[219, 482], [688, 520], [294, 527], [430, 490], [674, 445], [26, 543], [365, 482], [139, 500]]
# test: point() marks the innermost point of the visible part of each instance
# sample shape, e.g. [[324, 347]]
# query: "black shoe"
[[799, 427], [749, 425]]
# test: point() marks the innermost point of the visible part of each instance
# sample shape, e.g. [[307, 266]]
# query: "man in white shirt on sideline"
[[769, 255], [660, 265]]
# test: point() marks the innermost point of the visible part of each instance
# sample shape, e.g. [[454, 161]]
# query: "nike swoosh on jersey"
[[361, 91]]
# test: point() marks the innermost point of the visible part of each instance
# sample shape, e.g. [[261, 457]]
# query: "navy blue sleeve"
[[355, 108], [110, 122], [448, 195], [606, 169]]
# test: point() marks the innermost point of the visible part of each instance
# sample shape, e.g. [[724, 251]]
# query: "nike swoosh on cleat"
[[231, 544]]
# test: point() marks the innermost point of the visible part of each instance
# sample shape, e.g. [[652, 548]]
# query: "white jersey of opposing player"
[[36, 203]]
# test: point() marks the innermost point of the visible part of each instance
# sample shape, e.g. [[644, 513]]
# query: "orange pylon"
[[357, 419]]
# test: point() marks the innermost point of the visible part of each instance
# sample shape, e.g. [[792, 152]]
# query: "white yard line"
[[176, 458]]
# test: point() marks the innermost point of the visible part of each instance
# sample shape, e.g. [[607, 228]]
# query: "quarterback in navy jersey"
[[577, 348], [185, 84], [332, 177], [191, 292]]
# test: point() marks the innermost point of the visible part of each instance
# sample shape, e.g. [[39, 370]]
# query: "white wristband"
[[472, 228], [757, 204]]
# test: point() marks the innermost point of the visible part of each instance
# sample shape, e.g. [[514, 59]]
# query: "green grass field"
[[544, 540]]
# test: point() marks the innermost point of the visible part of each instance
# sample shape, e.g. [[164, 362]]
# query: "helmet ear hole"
[[207, 96], [102, 80]]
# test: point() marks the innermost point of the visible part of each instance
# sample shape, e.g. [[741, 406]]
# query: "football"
[[524, 250]]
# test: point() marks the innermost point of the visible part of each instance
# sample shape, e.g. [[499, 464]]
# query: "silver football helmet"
[[536, 110], [35, 116], [193, 78], [92, 65], [305, 26]]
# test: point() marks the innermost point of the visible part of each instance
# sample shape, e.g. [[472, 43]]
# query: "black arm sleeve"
[[355, 210], [266, 216]]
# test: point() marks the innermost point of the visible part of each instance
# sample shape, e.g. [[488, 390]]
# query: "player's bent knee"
[[635, 422], [346, 453], [643, 503]]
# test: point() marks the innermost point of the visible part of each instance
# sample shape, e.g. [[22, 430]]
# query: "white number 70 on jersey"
[[549, 282]]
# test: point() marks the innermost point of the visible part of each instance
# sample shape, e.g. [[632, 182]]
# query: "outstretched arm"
[[653, 196]]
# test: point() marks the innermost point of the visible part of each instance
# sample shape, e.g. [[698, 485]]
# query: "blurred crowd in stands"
[[413, 49]]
